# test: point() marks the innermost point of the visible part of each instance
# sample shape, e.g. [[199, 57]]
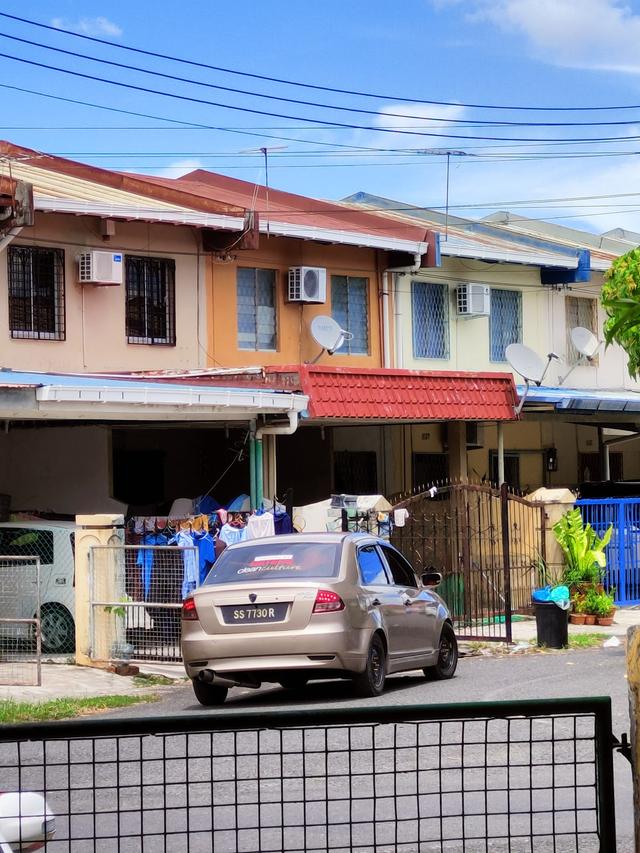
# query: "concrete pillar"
[[457, 437], [500, 453], [95, 530]]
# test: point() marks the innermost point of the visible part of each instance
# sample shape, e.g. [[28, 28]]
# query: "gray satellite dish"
[[585, 341], [328, 334], [529, 365]]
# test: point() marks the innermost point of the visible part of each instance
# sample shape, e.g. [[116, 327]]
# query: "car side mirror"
[[431, 579]]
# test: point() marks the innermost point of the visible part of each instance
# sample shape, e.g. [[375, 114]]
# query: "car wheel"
[[447, 662], [371, 681], [57, 629], [209, 694], [294, 681]]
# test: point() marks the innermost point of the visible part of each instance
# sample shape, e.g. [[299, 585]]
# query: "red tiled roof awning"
[[383, 395]]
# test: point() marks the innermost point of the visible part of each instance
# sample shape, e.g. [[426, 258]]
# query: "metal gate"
[[136, 597], [486, 542], [526, 776], [623, 551], [20, 656]]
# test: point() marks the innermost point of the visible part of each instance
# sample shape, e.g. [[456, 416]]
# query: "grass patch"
[[62, 709], [586, 641], [148, 680]]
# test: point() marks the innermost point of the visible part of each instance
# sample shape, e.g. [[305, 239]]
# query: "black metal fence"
[[514, 776]]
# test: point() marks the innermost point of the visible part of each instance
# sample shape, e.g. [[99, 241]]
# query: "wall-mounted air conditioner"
[[307, 284], [100, 268], [473, 300]]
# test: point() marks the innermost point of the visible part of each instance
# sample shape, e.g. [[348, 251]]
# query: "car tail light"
[[327, 601], [189, 611]]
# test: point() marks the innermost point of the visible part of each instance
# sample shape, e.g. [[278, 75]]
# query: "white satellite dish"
[[328, 334], [585, 341], [529, 365]]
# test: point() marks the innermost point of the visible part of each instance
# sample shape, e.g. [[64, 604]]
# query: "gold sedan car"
[[288, 609]]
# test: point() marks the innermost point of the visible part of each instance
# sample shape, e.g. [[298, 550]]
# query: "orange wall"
[[294, 343]]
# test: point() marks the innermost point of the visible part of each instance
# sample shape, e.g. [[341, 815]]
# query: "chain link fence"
[[20, 621], [136, 599]]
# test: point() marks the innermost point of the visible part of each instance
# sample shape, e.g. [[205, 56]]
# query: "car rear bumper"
[[337, 649]]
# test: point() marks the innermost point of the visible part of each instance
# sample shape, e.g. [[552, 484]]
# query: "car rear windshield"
[[298, 561]]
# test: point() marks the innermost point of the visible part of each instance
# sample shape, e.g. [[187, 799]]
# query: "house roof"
[[51, 396], [480, 239], [202, 199], [583, 399], [381, 395]]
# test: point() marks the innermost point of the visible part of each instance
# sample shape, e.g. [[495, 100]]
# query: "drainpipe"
[[275, 429], [386, 331], [8, 238], [500, 426], [252, 466]]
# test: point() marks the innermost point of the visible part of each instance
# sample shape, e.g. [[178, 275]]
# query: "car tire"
[[371, 682], [209, 694], [295, 681], [447, 662], [57, 629]]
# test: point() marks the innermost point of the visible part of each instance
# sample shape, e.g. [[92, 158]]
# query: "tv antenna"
[[265, 151], [443, 152], [587, 345], [328, 335], [530, 366]]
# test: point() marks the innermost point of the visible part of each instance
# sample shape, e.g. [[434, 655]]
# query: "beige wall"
[[59, 469], [95, 316]]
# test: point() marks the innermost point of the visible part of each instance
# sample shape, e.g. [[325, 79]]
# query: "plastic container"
[[552, 625]]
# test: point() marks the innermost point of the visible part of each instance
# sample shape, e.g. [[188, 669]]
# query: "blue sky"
[[532, 53]]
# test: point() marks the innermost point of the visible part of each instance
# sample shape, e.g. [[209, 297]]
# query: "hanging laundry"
[[260, 525], [400, 516], [146, 558], [230, 533], [191, 575], [206, 552], [282, 523]]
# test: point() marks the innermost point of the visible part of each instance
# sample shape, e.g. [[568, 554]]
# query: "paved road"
[[593, 672]]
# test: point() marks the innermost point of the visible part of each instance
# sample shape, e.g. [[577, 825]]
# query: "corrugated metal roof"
[[583, 399]]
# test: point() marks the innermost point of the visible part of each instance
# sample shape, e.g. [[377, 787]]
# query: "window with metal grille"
[[579, 312], [256, 311], [430, 318], [505, 322], [36, 293], [349, 308], [151, 300]]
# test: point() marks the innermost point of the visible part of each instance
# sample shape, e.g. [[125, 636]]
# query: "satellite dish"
[[327, 333], [526, 362], [585, 341]]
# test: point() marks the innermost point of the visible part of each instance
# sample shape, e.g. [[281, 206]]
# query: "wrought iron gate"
[[486, 542], [136, 598]]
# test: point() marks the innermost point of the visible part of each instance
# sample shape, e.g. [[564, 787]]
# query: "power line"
[[148, 91], [317, 87], [451, 122]]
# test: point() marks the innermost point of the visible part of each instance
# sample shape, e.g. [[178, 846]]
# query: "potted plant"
[[590, 605], [603, 608], [584, 551], [577, 616]]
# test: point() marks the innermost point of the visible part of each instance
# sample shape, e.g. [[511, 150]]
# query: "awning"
[[48, 396], [582, 399], [343, 394]]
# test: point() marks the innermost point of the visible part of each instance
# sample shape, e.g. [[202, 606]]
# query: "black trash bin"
[[552, 625]]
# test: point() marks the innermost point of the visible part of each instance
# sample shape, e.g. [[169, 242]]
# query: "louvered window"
[[36, 293], [350, 309], [505, 322], [151, 310], [430, 318], [579, 312], [256, 311]]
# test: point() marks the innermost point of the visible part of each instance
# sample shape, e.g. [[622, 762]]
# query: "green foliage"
[[586, 641], [117, 609], [583, 549], [60, 709], [621, 301]]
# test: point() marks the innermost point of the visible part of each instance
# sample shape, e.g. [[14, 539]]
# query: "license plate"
[[252, 614]]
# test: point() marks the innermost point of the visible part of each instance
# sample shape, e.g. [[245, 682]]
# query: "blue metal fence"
[[623, 551]]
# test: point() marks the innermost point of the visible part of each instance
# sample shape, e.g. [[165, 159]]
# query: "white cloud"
[[419, 116], [99, 26], [179, 168], [598, 34]]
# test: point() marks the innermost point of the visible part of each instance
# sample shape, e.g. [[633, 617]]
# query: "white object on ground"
[[26, 822], [611, 643]]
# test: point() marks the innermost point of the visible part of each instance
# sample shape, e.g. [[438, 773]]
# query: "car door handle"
[[376, 602], [407, 602]]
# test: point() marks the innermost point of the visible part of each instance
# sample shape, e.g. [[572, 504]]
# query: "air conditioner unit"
[[473, 300], [307, 284], [101, 268]]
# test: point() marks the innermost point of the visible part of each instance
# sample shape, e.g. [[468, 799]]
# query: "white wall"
[[66, 470]]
